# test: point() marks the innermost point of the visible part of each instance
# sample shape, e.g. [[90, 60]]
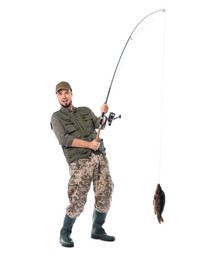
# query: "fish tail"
[[160, 219]]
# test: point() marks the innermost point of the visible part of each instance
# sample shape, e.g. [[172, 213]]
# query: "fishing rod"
[[111, 116]]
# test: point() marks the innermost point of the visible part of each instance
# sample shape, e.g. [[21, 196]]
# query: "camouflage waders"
[[82, 173]]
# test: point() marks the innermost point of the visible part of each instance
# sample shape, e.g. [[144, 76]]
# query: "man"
[[74, 128]]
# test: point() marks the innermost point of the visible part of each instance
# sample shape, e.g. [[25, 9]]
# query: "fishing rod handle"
[[98, 134], [99, 128]]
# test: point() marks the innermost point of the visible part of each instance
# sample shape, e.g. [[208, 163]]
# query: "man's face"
[[64, 97]]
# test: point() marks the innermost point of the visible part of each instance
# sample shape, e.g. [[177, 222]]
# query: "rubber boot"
[[66, 231], [97, 230]]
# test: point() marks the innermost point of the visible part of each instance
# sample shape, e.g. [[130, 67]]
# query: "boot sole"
[[103, 239], [66, 245]]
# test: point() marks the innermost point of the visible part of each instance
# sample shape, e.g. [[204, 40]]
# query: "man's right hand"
[[94, 145]]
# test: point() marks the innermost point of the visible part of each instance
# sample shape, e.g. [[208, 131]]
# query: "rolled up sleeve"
[[64, 139]]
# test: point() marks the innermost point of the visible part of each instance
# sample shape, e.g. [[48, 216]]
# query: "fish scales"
[[159, 203]]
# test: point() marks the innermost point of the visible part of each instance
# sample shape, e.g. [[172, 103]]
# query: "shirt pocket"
[[72, 130]]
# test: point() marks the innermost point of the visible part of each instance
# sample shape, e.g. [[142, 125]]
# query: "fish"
[[159, 203]]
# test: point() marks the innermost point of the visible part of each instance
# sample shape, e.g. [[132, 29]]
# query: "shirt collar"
[[67, 109]]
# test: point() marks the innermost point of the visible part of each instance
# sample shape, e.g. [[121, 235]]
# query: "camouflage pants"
[[83, 172]]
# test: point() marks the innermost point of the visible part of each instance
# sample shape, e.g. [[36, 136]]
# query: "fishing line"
[[162, 97], [159, 198]]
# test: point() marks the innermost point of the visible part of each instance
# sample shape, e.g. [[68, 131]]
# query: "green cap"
[[63, 85]]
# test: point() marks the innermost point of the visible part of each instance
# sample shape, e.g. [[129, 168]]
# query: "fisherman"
[[74, 128]]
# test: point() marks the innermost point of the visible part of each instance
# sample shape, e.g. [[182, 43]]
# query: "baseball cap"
[[63, 85]]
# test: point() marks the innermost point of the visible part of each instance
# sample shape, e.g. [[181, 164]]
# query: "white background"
[[44, 42]]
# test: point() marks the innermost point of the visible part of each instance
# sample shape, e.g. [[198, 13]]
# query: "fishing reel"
[[112, 117]]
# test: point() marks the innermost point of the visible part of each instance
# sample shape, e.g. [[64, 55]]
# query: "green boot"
[[97, 231], [66, 231]]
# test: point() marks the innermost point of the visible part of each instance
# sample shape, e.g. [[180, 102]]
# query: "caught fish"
[[159, 203]]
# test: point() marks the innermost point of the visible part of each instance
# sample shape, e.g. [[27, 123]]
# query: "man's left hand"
[[104, 108]]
